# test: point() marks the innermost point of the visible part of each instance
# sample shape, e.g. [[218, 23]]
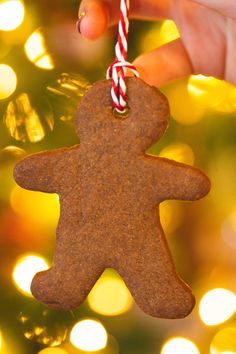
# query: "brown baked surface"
[[109, 195]]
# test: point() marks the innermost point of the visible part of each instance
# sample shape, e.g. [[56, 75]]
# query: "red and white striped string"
[[117, 70]]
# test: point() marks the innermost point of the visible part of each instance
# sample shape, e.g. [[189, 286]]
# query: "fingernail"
[[78, 23]]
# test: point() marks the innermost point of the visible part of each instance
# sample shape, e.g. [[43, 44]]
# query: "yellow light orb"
[[168, 33], [12, 14], [36, 51], [208, 91], [53, 351], [228, 103], [159, 35], [232, 99], [89, 335], [179, 345], [8, 81], [31, 205], [24, 271], [224, 342], [110, 296], [184, 109], [217, 306], [171, 215], [179, 152], [45, 63], [0, 340]]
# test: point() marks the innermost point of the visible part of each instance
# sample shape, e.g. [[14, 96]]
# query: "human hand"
[[207, 43]]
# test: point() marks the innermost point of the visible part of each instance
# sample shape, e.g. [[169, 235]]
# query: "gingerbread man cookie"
[[110, 191]]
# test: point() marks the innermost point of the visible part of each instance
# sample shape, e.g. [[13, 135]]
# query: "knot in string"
[[117, 72]]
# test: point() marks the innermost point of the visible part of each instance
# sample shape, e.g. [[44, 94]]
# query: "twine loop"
[[117, 71]]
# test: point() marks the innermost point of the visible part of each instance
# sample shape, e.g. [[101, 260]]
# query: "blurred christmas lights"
[[89, 335], [8, 81], [12, 14], [168, 32], [44, 326], [229, 230], [65, 94], [159, 35], [171, 215], [179, 152], [23, 121], [208, 91], [11, 154], [184, 108], [53, 351], [24, 271], [110, 296], [224, 342], [217, 306], [179, 345], [36, 51], [33, 205]]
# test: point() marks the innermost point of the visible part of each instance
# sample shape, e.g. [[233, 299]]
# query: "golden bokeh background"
[[45, 69]]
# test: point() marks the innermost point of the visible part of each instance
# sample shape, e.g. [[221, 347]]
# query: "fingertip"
[[93, 19], [164, 64], [144, 71]]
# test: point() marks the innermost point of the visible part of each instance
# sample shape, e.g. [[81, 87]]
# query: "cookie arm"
[[43, 171], [179, 181]]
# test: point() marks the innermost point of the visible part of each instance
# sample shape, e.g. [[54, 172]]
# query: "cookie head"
[[145, 123]]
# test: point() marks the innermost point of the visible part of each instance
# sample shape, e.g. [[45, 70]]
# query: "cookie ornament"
[[110, 192]]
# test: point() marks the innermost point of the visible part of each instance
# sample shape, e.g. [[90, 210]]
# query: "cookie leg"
[[76, 267], [66, 287], [150, 275]]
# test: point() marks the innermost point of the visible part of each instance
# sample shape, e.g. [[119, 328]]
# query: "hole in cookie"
[[121, 115]]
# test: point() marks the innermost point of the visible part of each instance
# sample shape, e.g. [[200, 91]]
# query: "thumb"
[[95, 16], [165, 64]]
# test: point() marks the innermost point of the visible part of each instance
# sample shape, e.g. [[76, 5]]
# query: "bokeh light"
[[224, 342], [45, 326], [229, 230], [65, 94], [179, 152], [25, 269], [184, 108], [89, 335], [12, 14], [0, 340], [179, 345], [36, 51], [208, 91], [8, 81], [53, 351], [110, 296], [217, 306], [159, 35], [168, 32], [32, 204], [24, 122], [171, 215], [11, 154]]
